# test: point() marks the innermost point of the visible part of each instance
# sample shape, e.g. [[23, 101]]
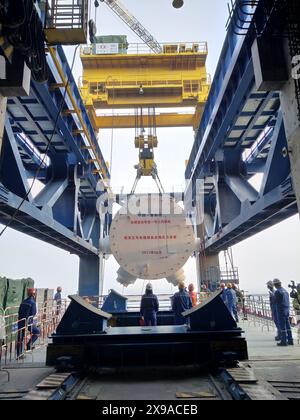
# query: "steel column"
[[205, 265], [292, 127], [90, 279]]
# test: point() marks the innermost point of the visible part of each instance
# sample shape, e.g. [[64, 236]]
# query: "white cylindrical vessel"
[[151, 238]]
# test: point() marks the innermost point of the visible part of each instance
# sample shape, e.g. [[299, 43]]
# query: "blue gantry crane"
[[48, 137], [243, 131]]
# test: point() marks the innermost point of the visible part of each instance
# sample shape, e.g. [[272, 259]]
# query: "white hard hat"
[[276, 282], [149, 286]]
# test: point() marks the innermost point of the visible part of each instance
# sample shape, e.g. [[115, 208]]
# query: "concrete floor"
[[270, 362], [261, 343], [23, 374]]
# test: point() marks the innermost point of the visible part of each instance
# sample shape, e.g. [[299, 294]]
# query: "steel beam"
[[129, 121], [35, 222], [274, 207], [12, 171]]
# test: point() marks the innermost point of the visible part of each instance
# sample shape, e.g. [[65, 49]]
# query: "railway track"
[[240, 383], [104, 386]]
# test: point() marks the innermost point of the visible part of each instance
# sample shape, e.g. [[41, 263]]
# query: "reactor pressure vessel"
[[151, 238]]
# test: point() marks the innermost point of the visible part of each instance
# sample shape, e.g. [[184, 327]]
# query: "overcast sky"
[[273, 253]]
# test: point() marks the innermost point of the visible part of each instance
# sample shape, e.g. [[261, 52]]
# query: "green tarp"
[[14, 295], [16, 292], [27, 284]]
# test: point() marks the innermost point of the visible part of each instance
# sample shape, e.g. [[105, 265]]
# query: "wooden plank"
[[53, 381], [242, 375], [258, 392], [38, 395]]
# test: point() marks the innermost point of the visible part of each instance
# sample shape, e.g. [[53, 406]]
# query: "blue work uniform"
[[27, 312], [181, 303], [231, 301], [149, 309], [57, 299], [282, 303], [274, 311], [223, 296]]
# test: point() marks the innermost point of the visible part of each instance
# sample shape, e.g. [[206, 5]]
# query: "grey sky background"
[[273, 253]]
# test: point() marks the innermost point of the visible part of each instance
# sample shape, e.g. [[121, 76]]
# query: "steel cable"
[[22, 27]]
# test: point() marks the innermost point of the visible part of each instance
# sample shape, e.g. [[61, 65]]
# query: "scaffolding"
[[216, 275], [66, 22]]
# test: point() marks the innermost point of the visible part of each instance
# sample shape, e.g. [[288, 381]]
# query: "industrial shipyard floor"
[[278, 366]]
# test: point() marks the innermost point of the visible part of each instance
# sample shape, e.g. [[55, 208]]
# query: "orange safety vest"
[[193, 296]]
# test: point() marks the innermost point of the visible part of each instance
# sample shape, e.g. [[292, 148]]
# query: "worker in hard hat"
[[231, 301], [27, 322], [282, 302], [296, 306], [223, 292], [57, 296], [181, 302], [273, 307], [149, 307], [193, 295], [58, 300]]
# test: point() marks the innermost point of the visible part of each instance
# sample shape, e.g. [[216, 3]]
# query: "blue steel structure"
[[241, 135], [63, 213]]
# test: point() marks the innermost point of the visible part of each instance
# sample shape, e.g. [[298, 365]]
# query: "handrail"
[[133, 301], [102, 88], [66, 14], [257, 309], [131, 113], [139, 78], [17, 331], [170, 48]]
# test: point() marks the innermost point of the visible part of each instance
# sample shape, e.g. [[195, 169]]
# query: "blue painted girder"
[[239, 119], [234, 210], [36, 223], [66, 206]]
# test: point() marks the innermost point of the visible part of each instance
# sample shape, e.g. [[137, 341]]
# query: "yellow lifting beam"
[[136, 77], [128, 120]]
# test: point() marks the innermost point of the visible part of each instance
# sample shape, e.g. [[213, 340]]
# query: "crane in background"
[[119, 9]]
